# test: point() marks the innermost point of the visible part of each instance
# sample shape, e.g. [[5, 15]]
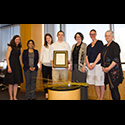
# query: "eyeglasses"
[[78, 37], [60, 34], [108, 36], [92, 34]]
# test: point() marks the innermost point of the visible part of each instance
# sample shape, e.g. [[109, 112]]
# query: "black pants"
[[115, 93], [47, 74]]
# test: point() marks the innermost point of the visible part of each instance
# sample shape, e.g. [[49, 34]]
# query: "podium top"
[[65, 88]]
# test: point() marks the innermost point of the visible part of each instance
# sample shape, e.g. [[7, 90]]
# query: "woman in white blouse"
[[45, 64]]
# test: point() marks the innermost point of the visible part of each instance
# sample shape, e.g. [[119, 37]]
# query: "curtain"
[[6, 34], [52, 29]]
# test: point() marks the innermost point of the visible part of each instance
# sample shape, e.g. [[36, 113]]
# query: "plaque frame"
[[57, 59]]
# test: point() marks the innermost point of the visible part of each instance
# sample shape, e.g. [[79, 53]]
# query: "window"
[[119, 37], [7, 31], [72, 29], [52, 29]]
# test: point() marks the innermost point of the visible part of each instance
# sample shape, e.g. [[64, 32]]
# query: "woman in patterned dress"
[[111, 64]]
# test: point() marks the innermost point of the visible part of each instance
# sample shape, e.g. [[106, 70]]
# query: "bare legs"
[[13, 91], [100, 91]]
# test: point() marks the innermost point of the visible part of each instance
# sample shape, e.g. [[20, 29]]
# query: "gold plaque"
[[60, 59]]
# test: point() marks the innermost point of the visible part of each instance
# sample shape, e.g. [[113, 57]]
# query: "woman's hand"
[[32, 69], [40, 67], [105, 70], [83, 69], [93, 66], [9, 70], [90, 68], [70, 68], [7, 57]]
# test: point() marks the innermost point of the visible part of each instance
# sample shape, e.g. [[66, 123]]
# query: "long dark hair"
[[45, 41], [13, 44]]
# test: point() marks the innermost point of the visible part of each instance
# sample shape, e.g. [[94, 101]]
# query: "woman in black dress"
[[13, 75], [111, 64]]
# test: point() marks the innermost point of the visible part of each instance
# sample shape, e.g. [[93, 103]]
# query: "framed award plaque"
[[60, 59]]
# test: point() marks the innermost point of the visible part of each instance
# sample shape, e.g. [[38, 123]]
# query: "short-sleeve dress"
[[16, 76]]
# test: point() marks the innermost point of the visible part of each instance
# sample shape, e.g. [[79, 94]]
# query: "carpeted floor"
[[4, 95]]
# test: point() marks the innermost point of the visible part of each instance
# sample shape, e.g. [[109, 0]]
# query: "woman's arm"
[[37, 61], [88, 64], [113, 64], [116, 55], [87, 61], [41, 65], [7, 58], [41, 57], [106, 70], [20, 55], [96, 61], [83, 69]]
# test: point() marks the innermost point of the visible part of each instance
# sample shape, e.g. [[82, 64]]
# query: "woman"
[[13, 75], [45, 64], [111, 64], [95, 73], [30, 60], [78, 63]]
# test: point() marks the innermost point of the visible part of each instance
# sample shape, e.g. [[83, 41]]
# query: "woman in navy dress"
[[14, 75]]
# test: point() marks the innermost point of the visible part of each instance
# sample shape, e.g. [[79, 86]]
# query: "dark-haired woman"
[[95, 74], [30, 60], [13, 75], [78, 63], [45, 64]]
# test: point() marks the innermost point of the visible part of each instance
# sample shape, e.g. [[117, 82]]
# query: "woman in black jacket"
[[111, 64], [30, 60]]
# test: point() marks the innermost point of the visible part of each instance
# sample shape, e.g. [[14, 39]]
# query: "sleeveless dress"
[[16, 76]]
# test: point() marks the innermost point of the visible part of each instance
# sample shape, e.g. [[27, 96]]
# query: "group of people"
[[95, 64]]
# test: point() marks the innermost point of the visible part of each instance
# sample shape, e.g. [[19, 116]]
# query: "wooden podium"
[[64, 93]]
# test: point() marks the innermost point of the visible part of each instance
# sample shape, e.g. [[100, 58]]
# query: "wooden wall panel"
[[122, 89], [25, 31], [36, 35], [92, 94], [32, 31]]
